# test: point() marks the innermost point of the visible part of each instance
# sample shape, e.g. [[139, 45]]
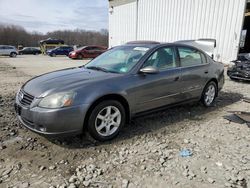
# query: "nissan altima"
[[124, 82]]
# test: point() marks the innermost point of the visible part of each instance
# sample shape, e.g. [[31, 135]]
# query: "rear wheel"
[[209, 94], [13, 54], [106, 120]]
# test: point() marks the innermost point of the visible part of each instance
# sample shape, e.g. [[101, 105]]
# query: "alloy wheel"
[[108, 121], [210, 94], [13, 54]]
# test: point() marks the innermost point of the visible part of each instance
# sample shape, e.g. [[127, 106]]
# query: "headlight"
[[58, 100], [73, 53], [231, 65]]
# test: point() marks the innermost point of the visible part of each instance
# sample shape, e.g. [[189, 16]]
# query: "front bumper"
[[66, 121], [73, 56], [239, 75]]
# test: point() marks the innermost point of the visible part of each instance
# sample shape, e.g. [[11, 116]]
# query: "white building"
[[173, 20]]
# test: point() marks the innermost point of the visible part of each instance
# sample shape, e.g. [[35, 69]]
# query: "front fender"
[[89, 94]]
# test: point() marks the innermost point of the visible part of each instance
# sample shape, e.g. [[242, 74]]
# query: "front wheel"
[[209, 94], [13, 54], [106, 120]]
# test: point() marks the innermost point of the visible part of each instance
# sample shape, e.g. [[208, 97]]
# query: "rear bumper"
[[52, 122]]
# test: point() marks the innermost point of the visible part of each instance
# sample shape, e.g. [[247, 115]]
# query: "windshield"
[[120, 59], [80, 48]]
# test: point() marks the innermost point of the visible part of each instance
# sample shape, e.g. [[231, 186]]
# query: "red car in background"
[[87, 52]]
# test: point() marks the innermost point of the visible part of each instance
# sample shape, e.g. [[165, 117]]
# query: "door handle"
[[176, 78], [206, 72]]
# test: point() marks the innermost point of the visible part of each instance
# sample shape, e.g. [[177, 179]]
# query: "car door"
[[90, 52], [6, 50], [61, 51], [94, 51], [65, 51], [27, 51], [70, 49], [194, 69], [162, 88], [32, 51], [98, 51]]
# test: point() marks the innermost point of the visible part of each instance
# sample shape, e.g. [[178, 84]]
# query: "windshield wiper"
[[100, 69], [97, 68]]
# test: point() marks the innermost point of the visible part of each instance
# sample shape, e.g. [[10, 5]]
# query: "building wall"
[[122, 24], [172, 20]]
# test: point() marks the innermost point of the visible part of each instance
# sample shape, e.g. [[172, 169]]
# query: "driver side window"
[[163, 59]]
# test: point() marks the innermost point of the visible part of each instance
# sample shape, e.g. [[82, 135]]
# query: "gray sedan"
[[122, 83]]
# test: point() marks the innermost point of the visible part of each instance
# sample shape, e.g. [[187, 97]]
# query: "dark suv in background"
[[62, 50], [29, 50]]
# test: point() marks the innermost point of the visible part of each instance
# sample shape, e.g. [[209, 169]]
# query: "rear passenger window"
[[190, 57]]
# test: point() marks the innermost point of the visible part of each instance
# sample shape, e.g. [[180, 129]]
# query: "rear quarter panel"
[[217, 72]]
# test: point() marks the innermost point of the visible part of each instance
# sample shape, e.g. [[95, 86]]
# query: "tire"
[[13, 54], [79, 56], [53, 55], [209, 94], [109, 126]]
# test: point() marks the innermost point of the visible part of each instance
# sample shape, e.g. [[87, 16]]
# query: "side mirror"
[[149, 70]]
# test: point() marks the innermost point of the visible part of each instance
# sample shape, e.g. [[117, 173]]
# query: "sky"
[[49, 15]]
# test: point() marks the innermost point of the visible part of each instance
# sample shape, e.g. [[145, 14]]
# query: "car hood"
[[243, 65], [64, 80]]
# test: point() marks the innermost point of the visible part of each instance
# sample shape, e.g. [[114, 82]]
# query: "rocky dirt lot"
[[145, 154]]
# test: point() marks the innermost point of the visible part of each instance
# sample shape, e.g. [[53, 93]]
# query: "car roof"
[[140, 45], [152, 44], [8, 46]]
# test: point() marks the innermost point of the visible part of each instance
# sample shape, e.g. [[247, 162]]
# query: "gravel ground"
[[145, 154]]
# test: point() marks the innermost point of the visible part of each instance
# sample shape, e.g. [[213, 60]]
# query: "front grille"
[[25, 98]]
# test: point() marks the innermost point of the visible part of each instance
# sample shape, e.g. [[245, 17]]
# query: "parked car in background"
[[122, 83], [240, 69], [62, 50], [87, 52], [29, 50], [7, 50], [51, 41]]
